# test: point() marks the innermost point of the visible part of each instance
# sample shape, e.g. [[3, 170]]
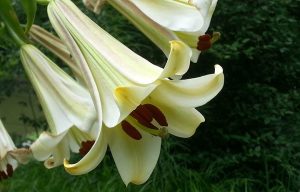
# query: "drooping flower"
[[135, 142], [139, 101], [67, 105], [54, 149], [165, 20], [64, 102], [10, 156]]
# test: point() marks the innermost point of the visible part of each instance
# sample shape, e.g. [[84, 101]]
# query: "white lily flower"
[[64, 102], [8, 163], [53, 149], [135, 142], [165, 20], [129, 91]]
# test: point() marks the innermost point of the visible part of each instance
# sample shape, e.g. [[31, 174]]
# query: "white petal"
[[171, 14], [135, 159], [56, 46], [207, 8], [91, 160], [190, 92], [6, 143], [182, 122], [179, 60], [64, 101], [45, 145], [60, 152]]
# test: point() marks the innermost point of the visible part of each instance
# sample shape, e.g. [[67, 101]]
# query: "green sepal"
[[29, 7], [9, 17]]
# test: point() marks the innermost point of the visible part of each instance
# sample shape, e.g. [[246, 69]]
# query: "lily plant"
[[137, 102], [165, 20]]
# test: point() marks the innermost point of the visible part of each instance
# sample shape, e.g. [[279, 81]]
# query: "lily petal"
[[182, 122], [91, 160], [45, 145], [135, 159], [174, 15], [191, 92], [64, 101]]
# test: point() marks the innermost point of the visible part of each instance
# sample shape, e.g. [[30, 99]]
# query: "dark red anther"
[[85, 147], [204, 42], [9, 170], [130, 130], [157, 114], [3, 175], [143, 116]]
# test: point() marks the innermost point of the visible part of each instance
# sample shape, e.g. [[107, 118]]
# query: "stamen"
[[131, 131], [157, 114], [85, 147], [3, 175], [145, 114], [204, 42], [9, 170]]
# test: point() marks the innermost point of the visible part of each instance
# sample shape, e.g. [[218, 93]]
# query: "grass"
[[173, 173]]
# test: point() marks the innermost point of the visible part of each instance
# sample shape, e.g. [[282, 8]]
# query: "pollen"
[[131, 130], [204, 42]]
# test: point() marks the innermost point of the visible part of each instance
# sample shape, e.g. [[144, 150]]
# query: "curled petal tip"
[[218, 69]]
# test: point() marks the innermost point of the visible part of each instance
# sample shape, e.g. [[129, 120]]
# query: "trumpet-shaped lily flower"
[[10, 156], [53, 149], [165, 20], [64, 102], [129, 92], [135, 142]]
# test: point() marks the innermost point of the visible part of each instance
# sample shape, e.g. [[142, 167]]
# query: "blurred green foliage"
[[251, 138]]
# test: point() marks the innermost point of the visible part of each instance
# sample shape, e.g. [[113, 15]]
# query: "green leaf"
[[29, 7], [9, 17]]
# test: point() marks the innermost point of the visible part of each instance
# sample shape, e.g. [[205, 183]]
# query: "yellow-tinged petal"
[[129, 98], [179, 60], [182, 121], [190, 92], [91, 160], [135, 159], [171, 14]]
